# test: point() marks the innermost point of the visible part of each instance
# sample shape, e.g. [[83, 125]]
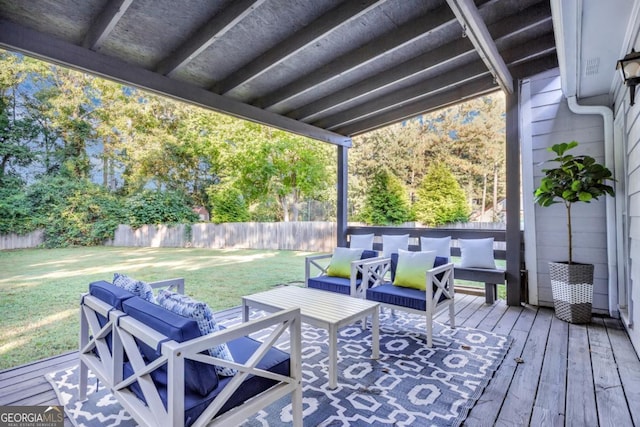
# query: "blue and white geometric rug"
[[410, 385]]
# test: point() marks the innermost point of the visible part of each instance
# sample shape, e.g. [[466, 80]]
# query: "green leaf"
[[583, 196]]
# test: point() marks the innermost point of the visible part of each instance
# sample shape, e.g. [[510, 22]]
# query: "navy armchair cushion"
[[199, 377], [111, 294], [275, 361], [338, 285]]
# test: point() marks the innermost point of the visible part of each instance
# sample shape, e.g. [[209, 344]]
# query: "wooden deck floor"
[[555, 373]]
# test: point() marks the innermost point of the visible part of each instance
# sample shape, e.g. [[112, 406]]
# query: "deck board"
[[554, 385], [610, 399], [627, 364], [581, 400], [549, 405]]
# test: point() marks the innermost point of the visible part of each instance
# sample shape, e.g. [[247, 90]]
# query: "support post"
[[341, 204], [513, 233]]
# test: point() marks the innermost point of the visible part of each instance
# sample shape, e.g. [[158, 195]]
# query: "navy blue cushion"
[[338, 285], [437, 263], [401, 296], [366, 254], [274, 361], [199, 377], [111, 294], [404, 297]]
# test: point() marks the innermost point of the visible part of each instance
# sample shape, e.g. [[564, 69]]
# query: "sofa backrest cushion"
[[366, 254], [110, 294], [199, 377]]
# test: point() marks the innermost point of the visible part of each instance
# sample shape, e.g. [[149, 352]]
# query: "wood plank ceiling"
[[328, 69]]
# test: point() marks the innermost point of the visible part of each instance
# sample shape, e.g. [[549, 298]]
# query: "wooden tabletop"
[[316, 304]]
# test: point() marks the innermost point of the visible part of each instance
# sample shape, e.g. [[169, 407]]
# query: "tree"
[[17, 129], [227, 204], [468, 137], [441, 200], [386, 201], [281, 165]]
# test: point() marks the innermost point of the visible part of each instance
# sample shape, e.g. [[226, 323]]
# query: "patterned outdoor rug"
[[410, 385]]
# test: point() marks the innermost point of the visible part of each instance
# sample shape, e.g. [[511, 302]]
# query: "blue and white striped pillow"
[[202, 314]]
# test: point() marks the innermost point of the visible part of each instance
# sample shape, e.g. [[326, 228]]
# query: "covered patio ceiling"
[[327, 69]]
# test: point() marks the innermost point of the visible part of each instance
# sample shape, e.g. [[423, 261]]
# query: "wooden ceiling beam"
[[504, 29], [321, 27], [105, 22], [454, 95], [421, 64], [16, 37], [468, 72], [384, 45], [475, 28], [442, 82], [207, 35]]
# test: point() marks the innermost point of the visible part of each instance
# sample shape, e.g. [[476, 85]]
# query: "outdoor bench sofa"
[[491, 277], [156, 364]]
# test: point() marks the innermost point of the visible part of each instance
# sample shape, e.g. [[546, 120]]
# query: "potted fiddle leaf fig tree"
[[577, 178]]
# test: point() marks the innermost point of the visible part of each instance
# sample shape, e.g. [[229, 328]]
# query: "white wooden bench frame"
[[318, 265], [125, 330], [377, 273]]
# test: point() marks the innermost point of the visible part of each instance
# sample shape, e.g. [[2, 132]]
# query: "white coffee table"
[[327, 310]]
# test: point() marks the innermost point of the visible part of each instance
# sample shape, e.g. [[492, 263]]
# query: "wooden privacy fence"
[[22, 241], [314, 236]]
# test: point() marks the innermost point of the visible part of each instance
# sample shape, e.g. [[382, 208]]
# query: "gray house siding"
[[631, 131], [552, 122]]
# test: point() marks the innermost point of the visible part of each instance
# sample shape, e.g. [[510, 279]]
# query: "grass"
[[40, 288]]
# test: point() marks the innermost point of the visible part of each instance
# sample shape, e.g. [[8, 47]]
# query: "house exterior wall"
[[627, 119], [549, 121]]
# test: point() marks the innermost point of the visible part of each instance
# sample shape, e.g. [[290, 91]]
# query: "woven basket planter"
[[572, 287]]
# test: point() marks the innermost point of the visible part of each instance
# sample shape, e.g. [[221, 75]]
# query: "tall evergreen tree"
[[386, 202], [441, 200]]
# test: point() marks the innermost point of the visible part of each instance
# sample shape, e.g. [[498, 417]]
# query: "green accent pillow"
[[412, 269], [340, 264]]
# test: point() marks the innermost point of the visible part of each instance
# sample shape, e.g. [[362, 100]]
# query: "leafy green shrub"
[[15, 212], [441, 200], [158, 207], [227, 204], [73, 212], [386, 202]]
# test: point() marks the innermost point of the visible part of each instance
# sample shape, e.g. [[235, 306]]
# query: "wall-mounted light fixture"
[[629, 66]]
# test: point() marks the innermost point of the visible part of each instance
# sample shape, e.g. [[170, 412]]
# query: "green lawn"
[[40, 288]]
